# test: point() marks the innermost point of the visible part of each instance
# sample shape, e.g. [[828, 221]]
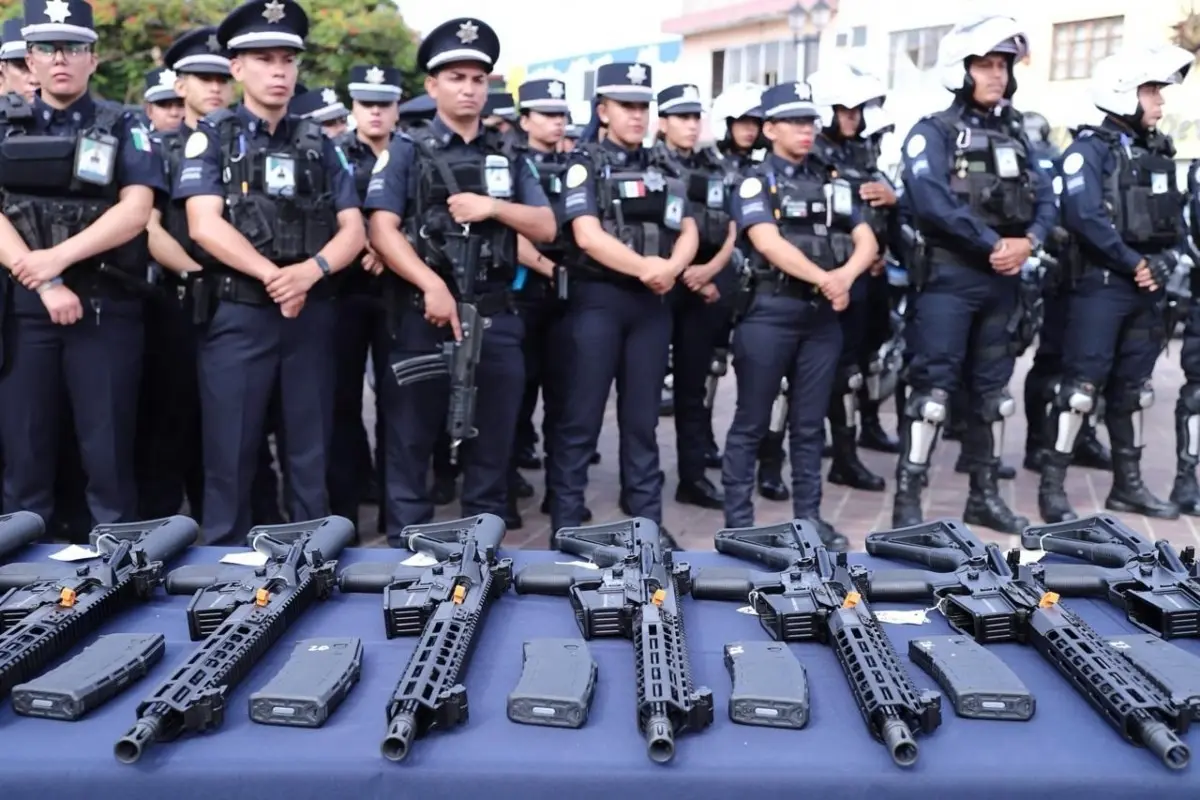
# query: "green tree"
[[135, 33]]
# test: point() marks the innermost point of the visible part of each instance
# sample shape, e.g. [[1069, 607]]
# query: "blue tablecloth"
[[1064, 752]]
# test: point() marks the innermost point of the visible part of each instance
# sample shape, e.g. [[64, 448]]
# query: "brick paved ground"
[[856, 513]]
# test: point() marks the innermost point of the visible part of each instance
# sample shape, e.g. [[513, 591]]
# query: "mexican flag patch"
[[141, 139]]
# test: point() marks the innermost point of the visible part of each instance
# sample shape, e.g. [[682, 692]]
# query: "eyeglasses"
[[72, 51], [375, 103], [168, 104]]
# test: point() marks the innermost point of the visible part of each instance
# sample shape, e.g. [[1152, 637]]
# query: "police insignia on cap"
[[1073, 163], [167, 77], [380, 163], [915, 146], [57, 11], [555, 90], [468, 32], [197, 143], [329, 96], [576, 175], [273, 12], [374, 75], [750, 187]]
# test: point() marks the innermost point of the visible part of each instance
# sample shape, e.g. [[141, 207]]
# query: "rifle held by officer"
[[809, 596], [991, 599], [635, 593], [1156, 587], [239, 613], [445, 604], [50, 607]]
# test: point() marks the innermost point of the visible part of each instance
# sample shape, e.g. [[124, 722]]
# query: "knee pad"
[[849, 379], [997, 406], [1189, 399], [1075, 396], [1131, 399], [931, 407]]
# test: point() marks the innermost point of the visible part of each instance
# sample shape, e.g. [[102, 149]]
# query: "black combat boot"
[[1186, 492], [770, 468], [1004, 471], [871, 434], [847, 469], [830, 536], [906, 504], [1037, 415], [1090, 452], [512, 514], [1053, 504], [1129, 493], [986, 507]]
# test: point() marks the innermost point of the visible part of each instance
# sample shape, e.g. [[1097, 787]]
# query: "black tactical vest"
[[286, 226], [47, 203], [1142, 195], [639, 202], [815, 215], [174, 215], [551, 171], [856, 161], [708, 179], [480, 168], [361, 160], [991, 172]]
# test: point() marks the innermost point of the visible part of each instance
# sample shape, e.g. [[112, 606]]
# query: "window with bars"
[[1079, 45], [919, 46]]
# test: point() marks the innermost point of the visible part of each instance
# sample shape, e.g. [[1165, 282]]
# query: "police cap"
[[58, 21], [548, 95], [374, 84], [789, 101], [198, 52], [264, 24], [682, 98], [160, 85], [13, 47], [459, 40], [320, 105], [625, 81]]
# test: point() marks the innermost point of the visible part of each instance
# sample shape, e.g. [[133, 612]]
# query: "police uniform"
[[697, 325], [970, 182], [362, 326], [421, 171], [619, 328], [1121, 203], [12, 46], [75, 165], [284, 191], [1186, 492], [160, 85], [790, 331]]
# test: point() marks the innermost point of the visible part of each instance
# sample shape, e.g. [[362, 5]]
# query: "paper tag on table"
[[1031, 556], [920, 617], [75, 553], [249, 558], [580, 564], [748, 610], [419, 560]]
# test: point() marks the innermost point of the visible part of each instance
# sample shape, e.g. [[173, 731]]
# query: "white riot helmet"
[[850, 87], [1116, 79], [738, 101], [976, 38]]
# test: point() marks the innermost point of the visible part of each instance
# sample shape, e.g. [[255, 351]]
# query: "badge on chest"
[[716, 193], [1008, 166], [498, 175], [280, 177], [95, 158], [841, 197]]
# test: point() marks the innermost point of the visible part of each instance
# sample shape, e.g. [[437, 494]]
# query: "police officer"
[[1121, 203], [449, 185], [168, 449], [570, 137], [321, 105], [855, 99], [163, 107], [699, 303], [631, 236], [1046, 372], [270, 203], [14, 71], [1186, 492], [809, 244], [500, 112], [983, 208], [73, 237], [362, 323]]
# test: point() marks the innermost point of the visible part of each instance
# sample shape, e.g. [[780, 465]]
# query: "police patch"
[[915, 146], [197, 143], [750, 187], [576, 175], [380, 163], [1072, 163]]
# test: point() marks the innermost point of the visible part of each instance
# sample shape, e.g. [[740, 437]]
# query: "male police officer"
[[983, 207], [809, 244], [463, 202], [362, 325], [269, 201], [77, 189], [14, 71], [322, 106], [1186, 491], [1121, 203], [164, 108]]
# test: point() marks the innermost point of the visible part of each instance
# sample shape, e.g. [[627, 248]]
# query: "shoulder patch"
[[915, 146], [1072, 163], [197, 143], [750, 187], [576, 175], [381, 163]]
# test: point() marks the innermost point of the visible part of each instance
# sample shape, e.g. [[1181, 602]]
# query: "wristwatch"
[[1035, 243], [323, 265]]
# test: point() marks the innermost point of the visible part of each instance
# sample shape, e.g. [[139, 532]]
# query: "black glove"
[[1161, 266]]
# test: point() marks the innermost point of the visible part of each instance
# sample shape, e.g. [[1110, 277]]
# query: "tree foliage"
[[135, 33]]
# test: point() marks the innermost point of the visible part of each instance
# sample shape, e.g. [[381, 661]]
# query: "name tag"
[[499, 176], [673, 214], [1159, 184], [842, 199], [280, 177], [716, 193], [95, 159], [1008, 166], [556, 185]]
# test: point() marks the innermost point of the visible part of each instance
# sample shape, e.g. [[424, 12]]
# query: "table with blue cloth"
[[1066, 751]]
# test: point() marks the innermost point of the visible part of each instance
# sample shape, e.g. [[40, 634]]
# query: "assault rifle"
[[19, 529], [809, 596], [445, 603], [238, 612], [993, 600], [1157, 588], [50, 607], [635, 594]]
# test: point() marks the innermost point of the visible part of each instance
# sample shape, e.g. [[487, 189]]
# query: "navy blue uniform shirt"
[[752, 203], [388, 189], [579, 184], [926, 176], [1086, 167], [200, 172], [138, 164]]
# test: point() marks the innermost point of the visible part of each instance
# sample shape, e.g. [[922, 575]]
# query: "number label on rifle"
[[316, 648]]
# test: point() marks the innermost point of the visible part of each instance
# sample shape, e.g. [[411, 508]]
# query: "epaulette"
[[219, 117]]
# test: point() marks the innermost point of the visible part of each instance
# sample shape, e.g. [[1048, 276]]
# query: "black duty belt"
[[247, 290], [489, 304]]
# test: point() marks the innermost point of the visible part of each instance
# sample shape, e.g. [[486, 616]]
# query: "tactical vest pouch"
[[1151, 204], [248, 213], [41, 164], [24, 218], [319, 228]]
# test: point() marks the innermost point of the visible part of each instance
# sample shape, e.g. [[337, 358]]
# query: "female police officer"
[[809, 244], [620, 323]]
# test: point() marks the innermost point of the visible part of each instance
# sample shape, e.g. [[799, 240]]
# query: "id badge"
[[1159, 184], [498, 173], [556, 186], [842, 199], [673, 214], [280, 176], [1007, 164], [95, 159], [716, 193]]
